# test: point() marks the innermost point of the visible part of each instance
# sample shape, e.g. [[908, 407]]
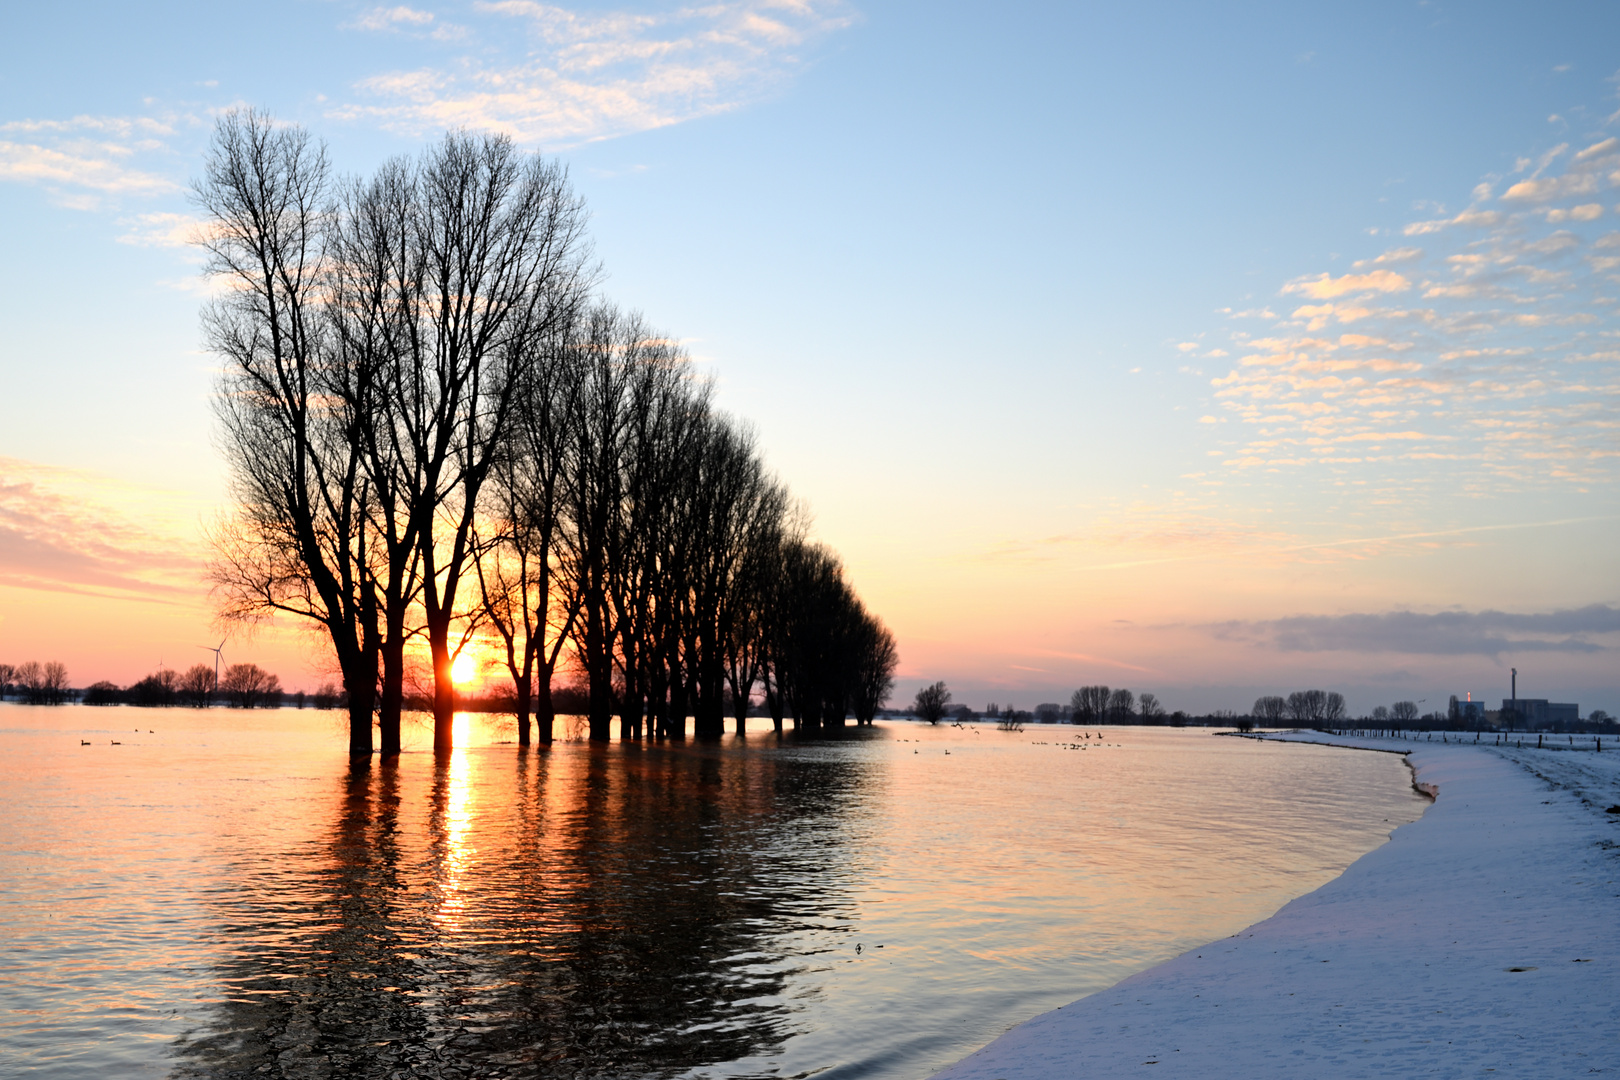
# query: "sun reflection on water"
[[457, 854]]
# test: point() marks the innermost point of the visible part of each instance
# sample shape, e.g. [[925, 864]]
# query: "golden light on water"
[[458, 807]]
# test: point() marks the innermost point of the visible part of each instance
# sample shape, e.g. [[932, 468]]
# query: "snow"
[[1483, 938]]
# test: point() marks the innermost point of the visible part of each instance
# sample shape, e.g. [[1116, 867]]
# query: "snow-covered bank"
[[1484, 937]]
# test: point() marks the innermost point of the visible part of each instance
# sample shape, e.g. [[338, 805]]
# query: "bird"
[[84, 742], [115, 742]]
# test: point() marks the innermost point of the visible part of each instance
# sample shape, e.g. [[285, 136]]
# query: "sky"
[[1206, 351]]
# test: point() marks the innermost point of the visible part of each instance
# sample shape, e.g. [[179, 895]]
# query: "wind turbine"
[[216, 651]]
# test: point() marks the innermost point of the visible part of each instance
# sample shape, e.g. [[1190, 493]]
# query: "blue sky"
[[1100, 339]]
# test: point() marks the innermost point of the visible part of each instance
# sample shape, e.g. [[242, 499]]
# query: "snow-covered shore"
[[1483, 938]]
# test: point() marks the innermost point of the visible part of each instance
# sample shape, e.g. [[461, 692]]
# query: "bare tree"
[[8, 675], [196, 686], [930, 703], [28, 675], [1307, 707], [526, 571], [879, 656], [55, 683], [1404, 712], [1121, 704], [815, 654], [491, 265], [158, 689], [613, 352], [249, 686], [102, 692], [1270, 710], [297, 542], [43, 684], [1333, 708], [1151, 711], [1091, 704]]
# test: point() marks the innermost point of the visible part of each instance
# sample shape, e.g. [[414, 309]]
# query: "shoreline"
[[1484, 937]]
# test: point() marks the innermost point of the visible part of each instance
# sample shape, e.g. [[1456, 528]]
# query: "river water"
[[221, 895]]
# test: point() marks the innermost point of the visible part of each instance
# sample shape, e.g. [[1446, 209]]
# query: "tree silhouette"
[[196, 687], [247, 686], [931, 702]]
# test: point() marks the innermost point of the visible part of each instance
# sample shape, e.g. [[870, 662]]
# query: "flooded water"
[[220, 895]]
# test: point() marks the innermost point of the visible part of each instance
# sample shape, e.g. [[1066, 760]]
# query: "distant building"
[[1541, 713], [1467, 711]]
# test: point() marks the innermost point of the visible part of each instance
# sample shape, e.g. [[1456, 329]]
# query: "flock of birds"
[[115, 742], [1079, 744]]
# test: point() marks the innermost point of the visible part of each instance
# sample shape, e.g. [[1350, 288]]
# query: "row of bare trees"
[[37, 683], [1304, 708], [437, 432], [633, 523], [244, 686], [1100, 705]]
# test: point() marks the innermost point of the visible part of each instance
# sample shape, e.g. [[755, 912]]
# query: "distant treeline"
[[36, 683], [1300, 709], [242, 686]]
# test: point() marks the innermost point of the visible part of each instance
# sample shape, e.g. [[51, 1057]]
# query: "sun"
[[464, 670]]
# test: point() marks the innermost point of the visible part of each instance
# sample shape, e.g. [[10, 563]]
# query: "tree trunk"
[[393, 685], [444, 688], [545, 713], [773, 702], [362, 696], [601, 706], [520, 709], [675, 719]]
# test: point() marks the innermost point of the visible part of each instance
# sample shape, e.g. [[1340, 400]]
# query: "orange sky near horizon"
[[1194, 610]]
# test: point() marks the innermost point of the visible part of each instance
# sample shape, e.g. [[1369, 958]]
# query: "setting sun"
[[464, 670]]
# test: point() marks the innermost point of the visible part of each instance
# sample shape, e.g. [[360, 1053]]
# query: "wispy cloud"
[[63, 530], [410, 21], [1445, 633], [1327, 287], [161, 229], [86, 160], [1488, 361], [392, 18], [593, 76]]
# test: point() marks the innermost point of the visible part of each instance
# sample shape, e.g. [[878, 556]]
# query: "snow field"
[[1483, 939]]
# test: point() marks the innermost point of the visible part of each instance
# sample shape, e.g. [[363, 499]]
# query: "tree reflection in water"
[[586, 911]]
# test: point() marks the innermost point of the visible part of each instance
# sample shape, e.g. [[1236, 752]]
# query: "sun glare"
[[464, 669]]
